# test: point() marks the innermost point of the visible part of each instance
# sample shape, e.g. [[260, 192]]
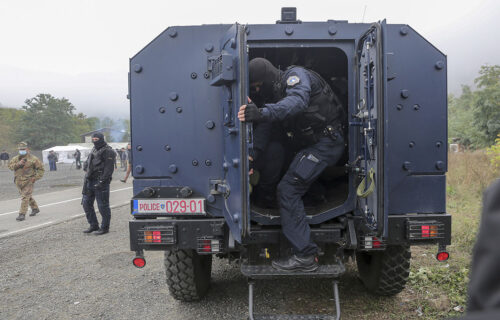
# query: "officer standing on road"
[[78, 162], [313, 116], [27, 169], [129, 163], [4, 158], [99, 168]]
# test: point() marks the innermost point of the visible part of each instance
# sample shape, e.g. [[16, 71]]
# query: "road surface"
[[56, 207]]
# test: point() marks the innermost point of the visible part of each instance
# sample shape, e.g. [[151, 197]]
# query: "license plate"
[[170, 206]]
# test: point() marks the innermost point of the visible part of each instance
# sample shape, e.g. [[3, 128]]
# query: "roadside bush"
[[494, 153]]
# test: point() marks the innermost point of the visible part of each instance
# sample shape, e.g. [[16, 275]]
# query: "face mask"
[[22, 152]]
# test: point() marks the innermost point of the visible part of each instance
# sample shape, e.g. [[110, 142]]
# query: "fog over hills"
[[80, 50], [95, 94]]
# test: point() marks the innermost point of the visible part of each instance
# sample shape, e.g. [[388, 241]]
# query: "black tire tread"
[[388, 271], [188, 274]]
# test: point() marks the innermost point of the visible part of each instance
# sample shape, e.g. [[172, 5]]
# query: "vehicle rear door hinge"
[[219, 187], [222, 70]]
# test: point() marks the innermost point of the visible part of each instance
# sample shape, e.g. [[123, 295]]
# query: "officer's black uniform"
[[100, 167], [312, 116]]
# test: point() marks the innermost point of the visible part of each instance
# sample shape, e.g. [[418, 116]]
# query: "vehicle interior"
[[331, 189]]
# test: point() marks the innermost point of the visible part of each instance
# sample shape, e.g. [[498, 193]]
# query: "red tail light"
[[139, 262], [442, 256], [207, 246], [156, 236]]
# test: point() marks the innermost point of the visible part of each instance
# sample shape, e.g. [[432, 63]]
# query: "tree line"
[[474, 116], [45, 121]]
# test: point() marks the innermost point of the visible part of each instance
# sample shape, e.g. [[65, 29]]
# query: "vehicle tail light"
[[152, 236], [209, 245], [148, 236], [157, 235], [442, 256], [372, 243], [429, 231], [425, 230], [139, 262]]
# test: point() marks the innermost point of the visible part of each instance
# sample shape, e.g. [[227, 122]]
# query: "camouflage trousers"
[[26, 190]]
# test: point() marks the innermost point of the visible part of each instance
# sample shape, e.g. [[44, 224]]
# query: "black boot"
[[34, 212], [20, 217], [101, 231], [91, 229], [296, 264]]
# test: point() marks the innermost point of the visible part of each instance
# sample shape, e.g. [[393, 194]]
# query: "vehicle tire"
[[188, 274], [385, 272]]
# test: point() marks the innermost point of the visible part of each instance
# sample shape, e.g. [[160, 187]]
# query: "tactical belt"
[[332, 131]]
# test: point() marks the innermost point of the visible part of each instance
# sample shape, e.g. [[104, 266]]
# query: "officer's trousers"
[[102, 197], [305, 168], [270, 165], [25, 188]]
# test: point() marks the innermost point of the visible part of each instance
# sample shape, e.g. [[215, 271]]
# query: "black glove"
[[252, 113]]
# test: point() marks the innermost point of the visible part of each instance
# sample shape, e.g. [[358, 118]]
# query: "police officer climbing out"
[[312, 117], [99, 167]]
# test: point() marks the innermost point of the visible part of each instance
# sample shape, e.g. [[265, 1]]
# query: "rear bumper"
[[168, 234]]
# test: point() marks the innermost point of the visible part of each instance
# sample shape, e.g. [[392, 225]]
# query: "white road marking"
[[55, 203], [25, 229], [3, 235]]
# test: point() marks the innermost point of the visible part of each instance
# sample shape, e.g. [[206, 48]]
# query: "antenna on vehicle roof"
[[364, 11]]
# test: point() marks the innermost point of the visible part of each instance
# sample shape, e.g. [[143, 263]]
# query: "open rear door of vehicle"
[[229, 72], [371, 99]]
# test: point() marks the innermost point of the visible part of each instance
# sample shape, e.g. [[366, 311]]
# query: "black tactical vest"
[[96, 162], [324, 109]]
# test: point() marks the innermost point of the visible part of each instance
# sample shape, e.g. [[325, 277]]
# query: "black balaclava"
[[100, 143], [262, 70]]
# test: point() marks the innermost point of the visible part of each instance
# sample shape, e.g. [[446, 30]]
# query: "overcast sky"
[[80, 49]]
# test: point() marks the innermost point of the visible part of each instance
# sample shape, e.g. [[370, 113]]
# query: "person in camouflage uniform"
[[27, 169]]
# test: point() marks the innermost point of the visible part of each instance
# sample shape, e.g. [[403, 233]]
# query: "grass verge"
[[440, 290]]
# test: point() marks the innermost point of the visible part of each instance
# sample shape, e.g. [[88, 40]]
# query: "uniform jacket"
[[4, 156], [297, 89], [101, 163], [33, 168], [52, 157], [298, 85]]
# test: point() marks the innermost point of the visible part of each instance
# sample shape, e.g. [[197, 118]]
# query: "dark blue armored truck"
[[190, 152]]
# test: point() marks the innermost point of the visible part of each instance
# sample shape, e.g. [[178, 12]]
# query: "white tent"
[[65, 153]]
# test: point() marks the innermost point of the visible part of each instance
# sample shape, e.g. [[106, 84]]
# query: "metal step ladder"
[[256, 272]]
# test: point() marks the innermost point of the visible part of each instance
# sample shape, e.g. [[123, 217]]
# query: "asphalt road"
[[60, 273], [49, 269], [57, 272], [55, 207]]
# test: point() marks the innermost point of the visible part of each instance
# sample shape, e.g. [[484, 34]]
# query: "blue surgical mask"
[[22, 152]]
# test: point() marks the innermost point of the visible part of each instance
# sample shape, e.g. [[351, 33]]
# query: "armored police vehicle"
[[190, 152]]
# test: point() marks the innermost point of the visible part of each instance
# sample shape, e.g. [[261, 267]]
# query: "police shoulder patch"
[[292, 81]]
